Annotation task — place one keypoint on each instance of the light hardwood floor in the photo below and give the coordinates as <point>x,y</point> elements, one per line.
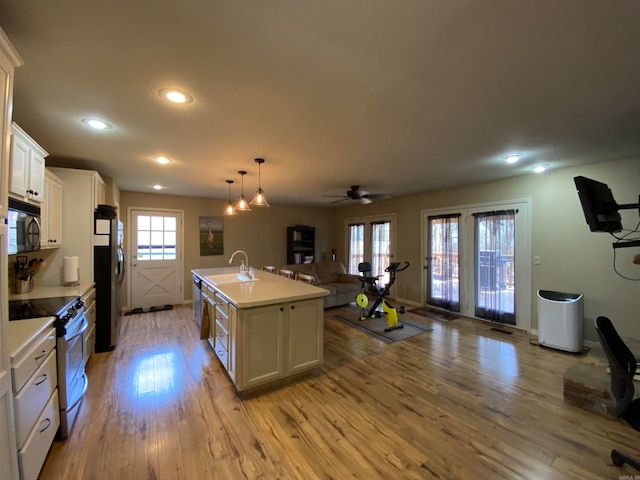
<point>460,402</point>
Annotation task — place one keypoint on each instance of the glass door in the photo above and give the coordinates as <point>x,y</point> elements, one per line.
<point>443,262</point>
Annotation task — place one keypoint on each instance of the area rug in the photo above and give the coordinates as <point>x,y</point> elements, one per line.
<point>150,309</point>
<point>435,314</point>
<point>375,327</point>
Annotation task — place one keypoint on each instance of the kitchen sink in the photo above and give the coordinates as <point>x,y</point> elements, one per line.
<point>226,278</point>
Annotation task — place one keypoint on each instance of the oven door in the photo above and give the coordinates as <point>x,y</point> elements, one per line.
<point>71,377</point>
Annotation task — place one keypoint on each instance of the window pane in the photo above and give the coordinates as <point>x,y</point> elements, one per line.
<point>157,223</point>
<point>144,222</point>
<point>169,224</point>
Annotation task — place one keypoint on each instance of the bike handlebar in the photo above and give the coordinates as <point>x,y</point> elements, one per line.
<point>393,267</point>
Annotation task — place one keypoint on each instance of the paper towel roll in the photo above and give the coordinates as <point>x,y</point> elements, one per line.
<point>71,269</point>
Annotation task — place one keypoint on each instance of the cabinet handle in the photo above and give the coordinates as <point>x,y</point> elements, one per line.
<point>44,352</point>
<point>282,309</point>
<point>48,422</point>
<point>292,307</point>
<point>44,379</point>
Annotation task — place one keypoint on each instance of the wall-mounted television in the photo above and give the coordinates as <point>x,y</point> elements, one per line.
<point>599,207</point>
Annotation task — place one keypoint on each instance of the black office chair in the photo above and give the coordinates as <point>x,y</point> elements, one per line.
<point>622,365</point>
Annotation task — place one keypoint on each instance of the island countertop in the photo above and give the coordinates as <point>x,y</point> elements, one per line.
<point>267,289</point>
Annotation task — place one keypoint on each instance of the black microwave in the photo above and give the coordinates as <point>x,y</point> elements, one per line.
<point>24,227</point>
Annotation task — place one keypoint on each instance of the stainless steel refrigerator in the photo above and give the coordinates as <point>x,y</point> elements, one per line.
<point>108,273</point>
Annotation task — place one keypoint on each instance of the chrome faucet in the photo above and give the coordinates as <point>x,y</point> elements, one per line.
<point>244,265</point>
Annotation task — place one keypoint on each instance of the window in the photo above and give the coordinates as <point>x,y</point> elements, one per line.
<point>370,239</point>
<point>156,237</point>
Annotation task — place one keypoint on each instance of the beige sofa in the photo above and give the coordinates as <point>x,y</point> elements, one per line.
<point>331,276</point>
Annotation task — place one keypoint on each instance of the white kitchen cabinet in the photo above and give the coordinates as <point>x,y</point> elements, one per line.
<point>8,447</point>
<point>81,189</point>
<point>222,333</point>
<point>99,191</point>
<point>9,61</point>
<point>89,299</point>
<point>26,177</point>
<point>35,398</point>
<point>262,345</point>
<point>51,215</point>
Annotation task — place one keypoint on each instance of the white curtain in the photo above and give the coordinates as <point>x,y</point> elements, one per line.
<point>380,255</point>
<point>356,247</point>
<point>443,287</point>
<point>494,266</point>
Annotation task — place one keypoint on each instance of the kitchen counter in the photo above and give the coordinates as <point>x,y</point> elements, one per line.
<point>266,290</point>
<point>51,291</point>
<point>22,332</point>
<point>264,331</point>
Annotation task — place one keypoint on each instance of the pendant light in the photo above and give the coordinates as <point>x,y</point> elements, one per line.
<point>230,210</point>
<point>259,200</point>
<point>242,205</point>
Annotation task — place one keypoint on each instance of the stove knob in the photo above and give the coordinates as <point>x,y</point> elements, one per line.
<point>66,317</point>
<point>79,304</point>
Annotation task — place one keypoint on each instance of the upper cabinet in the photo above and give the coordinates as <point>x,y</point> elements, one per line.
<point>51,228</point>
<point>9,60</point>
<point>26,177</point>
<point>99,191</point>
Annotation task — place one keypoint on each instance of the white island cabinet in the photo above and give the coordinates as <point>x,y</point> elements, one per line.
<point>265,331</point>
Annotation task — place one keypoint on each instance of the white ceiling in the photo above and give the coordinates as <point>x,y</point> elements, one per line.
<point>398,96</point>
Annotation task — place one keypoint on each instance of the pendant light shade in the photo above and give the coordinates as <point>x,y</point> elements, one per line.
<point>259,200</point>
<point>230,210</point>
<point>242,205</point>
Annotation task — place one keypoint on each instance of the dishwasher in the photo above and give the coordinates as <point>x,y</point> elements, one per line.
<point>197,299</point>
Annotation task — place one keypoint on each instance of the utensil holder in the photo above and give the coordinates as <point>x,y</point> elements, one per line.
<point>23,286</point>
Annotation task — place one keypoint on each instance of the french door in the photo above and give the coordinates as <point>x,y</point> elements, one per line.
<point>477,261</point>
<point>370,239</point>
<point>156,258</point>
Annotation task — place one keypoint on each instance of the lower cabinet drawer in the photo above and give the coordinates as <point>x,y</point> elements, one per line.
<point>33,397</point>
<point>222,335</point>
<point>32,360</point>
<point>32,455</point>
<point>89,343</point>
<point>221,353</point>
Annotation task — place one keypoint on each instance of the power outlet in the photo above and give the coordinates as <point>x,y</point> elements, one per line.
<point>536,260</point>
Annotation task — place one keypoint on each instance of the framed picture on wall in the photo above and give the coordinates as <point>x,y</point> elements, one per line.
<point>211,236</point>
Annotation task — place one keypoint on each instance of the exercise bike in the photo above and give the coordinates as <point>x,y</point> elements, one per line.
<point>362,300</point>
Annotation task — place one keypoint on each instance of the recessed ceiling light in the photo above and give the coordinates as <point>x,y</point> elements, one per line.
<point>97,124</point>
<point>540,168</point>
<point>157,187</point>
<point>176,96</point>
<point>512,158</point>
<point>163,160</point>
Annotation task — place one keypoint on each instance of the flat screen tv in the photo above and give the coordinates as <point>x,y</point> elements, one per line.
<point>599,207</point>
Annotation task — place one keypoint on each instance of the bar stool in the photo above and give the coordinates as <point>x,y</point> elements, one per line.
<point>303,277</point>
<point>269,268</point>
<point>283,272</point>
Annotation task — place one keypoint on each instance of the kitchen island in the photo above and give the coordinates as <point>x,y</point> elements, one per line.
<point>263,331</point>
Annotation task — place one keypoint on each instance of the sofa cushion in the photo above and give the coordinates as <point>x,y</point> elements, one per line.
<point>340,288</point>
<point>329,272</point>
<point>331,287</point>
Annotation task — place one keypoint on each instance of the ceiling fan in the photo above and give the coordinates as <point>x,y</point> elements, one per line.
<point>360,196</point>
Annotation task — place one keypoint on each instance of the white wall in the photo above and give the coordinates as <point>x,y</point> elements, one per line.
<point>572,258</point>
